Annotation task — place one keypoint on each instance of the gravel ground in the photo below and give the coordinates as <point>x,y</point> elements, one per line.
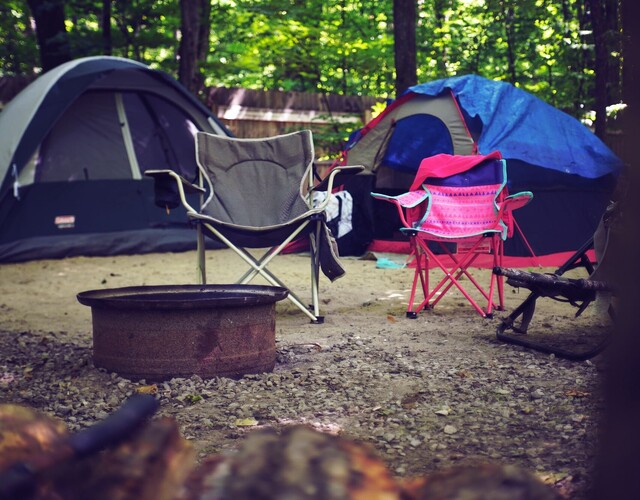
<point>426,393</point>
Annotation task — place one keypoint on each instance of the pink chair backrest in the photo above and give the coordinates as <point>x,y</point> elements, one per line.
<point>462,211</point>
<point>463,204</point>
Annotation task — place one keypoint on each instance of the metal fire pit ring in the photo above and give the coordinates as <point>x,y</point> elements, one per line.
<point>161,332</point>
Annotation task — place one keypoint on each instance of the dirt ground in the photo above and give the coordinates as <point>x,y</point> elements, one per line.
<point>425,393</point>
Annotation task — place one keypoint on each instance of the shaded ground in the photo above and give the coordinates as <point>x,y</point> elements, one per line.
<point>425,393</point>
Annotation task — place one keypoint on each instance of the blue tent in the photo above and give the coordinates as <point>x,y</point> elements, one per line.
<point>570,171</point>
<point>526,128</point>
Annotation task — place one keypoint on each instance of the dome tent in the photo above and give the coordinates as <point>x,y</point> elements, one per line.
<point>74,146</point>
<point>570,171</point>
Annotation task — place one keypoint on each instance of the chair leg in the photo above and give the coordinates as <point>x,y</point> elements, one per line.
<point>451,279</point>
<point>453,275</point>
<point>258,266</point>
<point>495,282</point>
<point>314,239</point>
<point>421,275</point>
<point>497,261</point>
<point>200,256</point>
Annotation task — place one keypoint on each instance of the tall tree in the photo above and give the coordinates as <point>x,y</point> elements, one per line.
<point>509,17</point>
<point>404,47</point>
<point>440,20</point>
<point>194,42</point>
<point>599,25</point>
<point>106,27</point>
<point>619,460</point>
<point>51,32</point>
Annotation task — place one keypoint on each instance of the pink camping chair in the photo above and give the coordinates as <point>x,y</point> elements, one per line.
<point>458,205</point>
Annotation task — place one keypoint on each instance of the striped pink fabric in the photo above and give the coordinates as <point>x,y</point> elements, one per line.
<point>457,212</point>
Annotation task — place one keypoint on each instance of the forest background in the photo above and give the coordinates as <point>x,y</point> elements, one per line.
<point>567,52</point>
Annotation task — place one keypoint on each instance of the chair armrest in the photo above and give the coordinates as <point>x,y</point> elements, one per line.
<point>403,201</point>
<point>188,186</point>
<point>410,199</point>
<point>337,176</point>
<point>183,185</point>
<point>515,201</point>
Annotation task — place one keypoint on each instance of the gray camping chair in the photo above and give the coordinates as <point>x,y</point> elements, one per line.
<point>259,195</point>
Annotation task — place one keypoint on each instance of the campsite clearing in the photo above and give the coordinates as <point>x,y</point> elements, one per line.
<point>426,393</point>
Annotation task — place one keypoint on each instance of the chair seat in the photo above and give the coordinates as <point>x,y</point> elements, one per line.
<point>257,237</point>
<point>450,236</point>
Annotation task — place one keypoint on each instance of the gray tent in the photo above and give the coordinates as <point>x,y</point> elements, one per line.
<point>74,146</point>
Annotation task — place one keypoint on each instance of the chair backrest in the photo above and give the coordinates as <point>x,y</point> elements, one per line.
<point>465,204</point>
<point>256,182</point>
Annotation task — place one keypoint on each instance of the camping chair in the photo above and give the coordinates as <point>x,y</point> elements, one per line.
<point>577,292</point>
<point>260,196</point>
<point>464,215</point>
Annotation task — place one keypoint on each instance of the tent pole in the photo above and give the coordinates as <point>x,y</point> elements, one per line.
<point>126,136</point>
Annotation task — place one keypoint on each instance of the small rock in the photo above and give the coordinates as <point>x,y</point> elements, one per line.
<point>537,394</point>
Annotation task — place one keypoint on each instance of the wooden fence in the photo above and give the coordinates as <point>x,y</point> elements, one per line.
<point>258,113</point>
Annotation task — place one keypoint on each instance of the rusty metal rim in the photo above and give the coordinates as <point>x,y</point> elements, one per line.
<point>182,296</point>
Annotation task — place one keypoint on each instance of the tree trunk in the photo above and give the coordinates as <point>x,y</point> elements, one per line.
<point>614,45</point>
<point>205,30</point>
<point>194,43</point>
<point>438,11</point>
<point>106,27</point>
<point>345,61</point>
<point>508,26</point>
<point>619,460</point>
<point>583,26</point>
<point>598,23</point>
<point>51,32</point>
<point>404,32</point>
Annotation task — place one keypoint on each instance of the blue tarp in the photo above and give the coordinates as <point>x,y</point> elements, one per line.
<point>523,127</point>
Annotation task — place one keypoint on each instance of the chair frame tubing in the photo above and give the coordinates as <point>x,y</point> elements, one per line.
<point>423,255</point>
<point>258,266</point>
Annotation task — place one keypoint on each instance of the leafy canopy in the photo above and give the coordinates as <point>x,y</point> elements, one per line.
<point>338,46</point>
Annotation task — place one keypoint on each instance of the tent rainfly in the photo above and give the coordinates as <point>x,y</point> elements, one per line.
<point>75,144</point>
<point>570,171</point>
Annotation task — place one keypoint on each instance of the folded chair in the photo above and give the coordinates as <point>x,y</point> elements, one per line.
<point>257,193</point>
<point>577,292</point>
<point>460,205</point>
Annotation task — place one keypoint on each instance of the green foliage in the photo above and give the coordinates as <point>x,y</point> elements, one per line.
<point>346,46</point>
<point>340,46</point>
<point>547,41</point>
<point>18,48</point>
<point>144,30</point>
<point>313,46</point>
